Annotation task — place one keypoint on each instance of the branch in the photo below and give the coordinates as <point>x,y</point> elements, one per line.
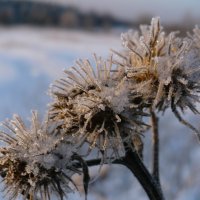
<point>155,142</point>
<point>136,166</point>
<point>95,162</point>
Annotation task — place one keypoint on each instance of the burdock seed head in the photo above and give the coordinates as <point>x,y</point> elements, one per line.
<point>139,59</point>
<point>92,104</point>
<point>162,70</point>
<point>34,162</point>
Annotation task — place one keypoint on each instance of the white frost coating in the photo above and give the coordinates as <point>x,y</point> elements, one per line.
<point>118,98</point>
<point>172,144</point>
<point>37,145</point>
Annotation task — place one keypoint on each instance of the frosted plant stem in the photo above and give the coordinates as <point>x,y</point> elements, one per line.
<point>147,181</point>
<point>155,143</point>
<point>136,166</point>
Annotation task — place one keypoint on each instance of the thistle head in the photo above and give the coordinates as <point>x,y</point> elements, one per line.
<point>142,51</point>
<point>158,66</point>
<point>34,162</point>
<point>96,104</point>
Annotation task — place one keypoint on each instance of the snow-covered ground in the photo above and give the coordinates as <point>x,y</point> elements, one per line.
<point>31,58</point>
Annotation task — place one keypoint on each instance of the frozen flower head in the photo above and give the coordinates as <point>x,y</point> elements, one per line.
<point>153,60</point>
<point>177,84</point>
<point>178,78</point>
<point>140,59</point>
<point>161,69</point>
<point>94,105</point>
<point>142,51</point>
<point>34,162</point>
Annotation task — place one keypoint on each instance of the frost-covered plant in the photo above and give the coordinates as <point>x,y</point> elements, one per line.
<point>161,69</point>
<point>139,60</point>
<point>35,161</point>
<point>92,105</point>
<point>102,106</point>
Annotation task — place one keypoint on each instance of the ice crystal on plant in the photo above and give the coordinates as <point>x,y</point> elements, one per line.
<point>92,103</point>
<point>33,161</point>
<point>143,50</point>
<point>140,57</point>
<point>162,70</point>
<point>102,107</point>
<point>177,86</point>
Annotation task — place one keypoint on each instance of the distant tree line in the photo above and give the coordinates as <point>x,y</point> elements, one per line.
<point>38,13</point>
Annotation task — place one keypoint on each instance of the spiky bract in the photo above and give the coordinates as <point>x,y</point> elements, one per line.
<point>162,70</point>
<point>93,105</point>
<point>34,162</point>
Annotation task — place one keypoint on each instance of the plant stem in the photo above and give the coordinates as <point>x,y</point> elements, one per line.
<point>95,162</point>
<point>155,143</point>
<point>133,162</point>
<point>136,166</point>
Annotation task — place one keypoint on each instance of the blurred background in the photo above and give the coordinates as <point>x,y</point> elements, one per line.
<point>39,38</point>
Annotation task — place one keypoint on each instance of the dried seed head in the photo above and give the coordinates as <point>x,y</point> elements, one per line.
<point>161,67</point>
<point>177,84</point>
<point>34,162</point>
<point>162,71</point>
<point>140,60</point>
<point>143,50</point>
<point>91,104</point>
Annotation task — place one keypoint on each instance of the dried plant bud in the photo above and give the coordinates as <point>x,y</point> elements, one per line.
<point>96,104</point>
<point>34,162</point>
<point>162,71</point>
<point>142,51</point>
<point>177,84</point>
<point>140,60</point>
